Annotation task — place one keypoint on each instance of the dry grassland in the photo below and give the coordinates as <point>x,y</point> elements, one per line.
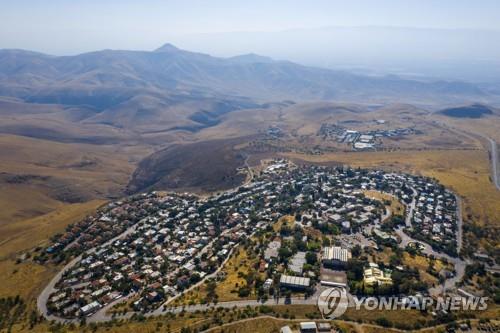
<point>396,207</point>
<point>234,270</point>
<point>156,325</point>
<point>236,267</point>
<point>287,220</point>
<point>422,264</point>
<point>26,278</point>
<point>418,261</point>
<point>272,325</point>
<point>38,177</point>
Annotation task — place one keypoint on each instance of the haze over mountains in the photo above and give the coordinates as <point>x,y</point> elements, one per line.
<point>104,79</point>
<point>463,54</point>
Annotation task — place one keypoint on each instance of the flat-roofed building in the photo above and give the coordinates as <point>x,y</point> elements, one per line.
<point>333,278</point>
<point>324,327</point>
<point>374,275</point>
<point>297,262</point>
<point>90,308</point>
<point>335,256</point>
<point>294,282</point>
<point>308,327</point>
<point>366,138</point>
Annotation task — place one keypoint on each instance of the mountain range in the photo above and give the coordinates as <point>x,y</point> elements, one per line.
<point>108,79</point>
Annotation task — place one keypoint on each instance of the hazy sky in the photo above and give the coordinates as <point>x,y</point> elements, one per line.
<point>74,26</point>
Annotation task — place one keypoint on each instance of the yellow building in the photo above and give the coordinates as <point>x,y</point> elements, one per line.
<point>374,275</point>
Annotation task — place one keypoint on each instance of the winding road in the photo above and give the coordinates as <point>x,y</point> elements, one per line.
<point>458,263</point>
<point>42,299</point>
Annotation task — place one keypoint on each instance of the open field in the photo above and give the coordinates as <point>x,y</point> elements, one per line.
<point>161,324</point>
<point>234,271</point>
<point>396,207</point>
<point>267,324</point>
<point>285,220</point>
<point>23,277</point>
<point>27,278</point>
<point>27,234</point>
<point>205,166</point>
<point>422,264</point>
<point>38,176</point>
<point>20,275</point>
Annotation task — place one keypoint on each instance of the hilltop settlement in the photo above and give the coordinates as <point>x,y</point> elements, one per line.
<point>152,247</point>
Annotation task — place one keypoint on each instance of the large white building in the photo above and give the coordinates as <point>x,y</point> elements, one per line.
<point>335,256</point>
<point>294,282</point>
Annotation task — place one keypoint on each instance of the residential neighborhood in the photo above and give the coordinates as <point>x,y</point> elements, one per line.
<point>148,249</point>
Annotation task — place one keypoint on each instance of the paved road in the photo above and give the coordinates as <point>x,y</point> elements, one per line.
<point>203,307</point>
<point>494,163</point>
<point>42,299</point>
<point>495,177</point>
<point>387,211</point>
<point>459,234</point>
<point>103,316</point>
<point>428,250</point>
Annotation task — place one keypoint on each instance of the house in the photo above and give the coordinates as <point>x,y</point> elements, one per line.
<point>153,296</point>
<point>90,308</point>
<point>335,218</point>
<point>297,262</point>
<point>346,226</point>
<point>286,329</point>
<point>272,250</point>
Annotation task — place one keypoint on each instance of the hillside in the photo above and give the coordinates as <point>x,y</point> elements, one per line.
<point>185,167</point>
<point>469,111</point>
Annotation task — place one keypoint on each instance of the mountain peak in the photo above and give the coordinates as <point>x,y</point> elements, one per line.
<point>251,58</point>
<point>167,48</point>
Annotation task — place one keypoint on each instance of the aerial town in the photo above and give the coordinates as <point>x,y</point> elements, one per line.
<point>362,140</point>
<point>155,246</point>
